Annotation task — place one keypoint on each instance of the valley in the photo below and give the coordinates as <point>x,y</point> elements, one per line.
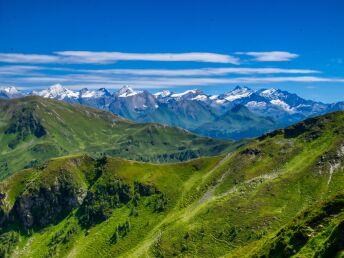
<point>36,129</point>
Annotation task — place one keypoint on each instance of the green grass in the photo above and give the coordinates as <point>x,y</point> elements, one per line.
<point>256,201</point>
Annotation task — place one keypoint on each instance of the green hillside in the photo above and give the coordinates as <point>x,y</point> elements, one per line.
<point>34,129</point>
<point>316,232</point>
<point>279,195</point>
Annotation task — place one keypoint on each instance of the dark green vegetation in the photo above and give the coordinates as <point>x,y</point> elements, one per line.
<point>34,129</point>
<point>277,196</point>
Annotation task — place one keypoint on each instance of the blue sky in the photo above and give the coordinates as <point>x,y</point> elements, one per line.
<point>212,45</point>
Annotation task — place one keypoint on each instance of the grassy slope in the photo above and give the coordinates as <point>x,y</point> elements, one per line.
<point>316,232</point>
<point>77,129</point>
<point>231,205</point>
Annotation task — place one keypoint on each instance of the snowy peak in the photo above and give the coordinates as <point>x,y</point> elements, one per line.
<point>163,94</point>
<point>126,91</point>
<point>272,93</point>
<point>9,90</point>
<point>238,93</point>
<point>57,92</point>
<point>102,92</point>
<point>190,95</point>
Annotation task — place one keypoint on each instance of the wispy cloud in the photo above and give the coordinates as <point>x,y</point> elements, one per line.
<point>23,70</point>
<point>272,56</point>
<point>28,58</point>
<point>200,72</point>
<point>18,69</point>
<point>81,80</point>
<point>110,57</point>
<point>88,57</point>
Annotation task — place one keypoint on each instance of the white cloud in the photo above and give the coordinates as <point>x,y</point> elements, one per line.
<point>82,80</point>
<point>28,58</point>
<point>88,57</point>
<point>110,57</point>
<point>272,56</point>
<point>200,72</point>
<point>18,69</point>
<point>25,69</point>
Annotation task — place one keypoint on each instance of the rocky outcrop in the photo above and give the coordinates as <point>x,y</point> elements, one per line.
<point>47,204</point>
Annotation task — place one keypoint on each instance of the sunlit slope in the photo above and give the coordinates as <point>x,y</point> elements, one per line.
<point>33,129</point>
<point>316,232</point>
<point>243,204</point>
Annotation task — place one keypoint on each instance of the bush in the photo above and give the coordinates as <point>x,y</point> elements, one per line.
<point>99,204</point>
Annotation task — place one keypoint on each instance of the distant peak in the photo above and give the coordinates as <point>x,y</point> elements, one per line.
<point>124,89</point>
<point>57,91</point>
<point>241,88</point>
<point>237,87</point>
<point>238,93</point>
<point>270,93</point>
<point>84,90</point>
<point>104,91</point>
<point>163,94</point>
<point>187,93</point>
<point>9,89</point>
<point>57,86</point>
<point>127,91</point>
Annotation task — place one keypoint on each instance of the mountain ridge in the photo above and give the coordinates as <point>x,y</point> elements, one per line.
<point>194,109</point>
<point>37,129</point>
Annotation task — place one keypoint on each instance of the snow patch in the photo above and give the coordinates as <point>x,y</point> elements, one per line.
<point>282,104</point>
<point>200,98</point>
<point>269,93</point>
<point>162,94</point>
<point>256,104</point>
<point>220,101</point>
<point>179,95</point>
<point>213,97</point>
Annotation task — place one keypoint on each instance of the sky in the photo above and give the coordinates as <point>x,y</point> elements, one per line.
<point>212,45</point>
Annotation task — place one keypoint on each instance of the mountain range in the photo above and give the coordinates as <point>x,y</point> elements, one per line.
<point>36,129</point>
<point>280,195</point>
<point>211,115</point>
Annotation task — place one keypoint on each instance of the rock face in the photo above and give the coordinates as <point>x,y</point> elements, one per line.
<point>46,205</point>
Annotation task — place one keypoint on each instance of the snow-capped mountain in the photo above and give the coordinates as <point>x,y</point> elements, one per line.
<point>192,109</point>
<point>126,91</point>
<point>162,94</point>
<point>57,92</point>
<point>237,93</point>
<point>88,94</point>
<point>9,92</point>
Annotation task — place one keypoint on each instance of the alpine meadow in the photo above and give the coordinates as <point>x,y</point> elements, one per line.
<point>171,129</point>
